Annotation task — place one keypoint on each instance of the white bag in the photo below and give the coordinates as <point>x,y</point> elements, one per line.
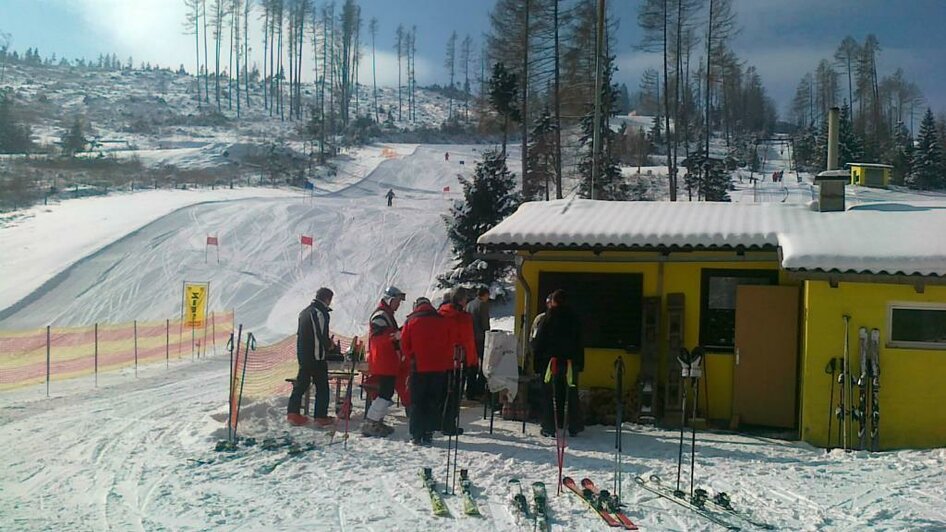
<point>501,363</point>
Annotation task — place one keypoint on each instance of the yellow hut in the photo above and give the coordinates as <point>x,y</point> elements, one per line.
<point>870,174</point>
<point>764,289</point>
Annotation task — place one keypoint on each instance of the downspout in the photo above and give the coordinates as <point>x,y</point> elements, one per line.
<point>525,324</point>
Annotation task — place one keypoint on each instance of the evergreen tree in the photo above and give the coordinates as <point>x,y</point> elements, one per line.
<point>928,160</point>
<point>717,182</point>
<point>504,97</point>
<point>74,141</point>
<point>806,150</point>
<point>487,199</point>
<point>900,154</point>
<point>540,165</point>
<point>14,137</point>
<point>850,145</point>
<point>609,185</point>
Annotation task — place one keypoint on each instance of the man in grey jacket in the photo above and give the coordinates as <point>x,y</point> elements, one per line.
<point>479,308</point>
<point>313,343</point>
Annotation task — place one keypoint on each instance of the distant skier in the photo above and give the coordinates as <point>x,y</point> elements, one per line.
<point>390,196</point>
<point>384,362</point>
<point>313,344</point>
<point>446,156</point>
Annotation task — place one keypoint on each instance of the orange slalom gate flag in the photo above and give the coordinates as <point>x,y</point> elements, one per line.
<point>212,241</point>
<point>306,240</point>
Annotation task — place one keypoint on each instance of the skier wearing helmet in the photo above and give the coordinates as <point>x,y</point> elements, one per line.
<point>384,361</point>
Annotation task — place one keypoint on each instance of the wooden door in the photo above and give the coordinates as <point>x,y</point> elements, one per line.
<point>766,365</point>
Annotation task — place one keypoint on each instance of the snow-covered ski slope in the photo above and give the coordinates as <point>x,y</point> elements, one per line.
<point>138,454</point>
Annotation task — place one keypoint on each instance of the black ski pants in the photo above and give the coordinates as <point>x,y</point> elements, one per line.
<point>450,399</point>
<point>386,386</point>
<point>557,388</point>
<point>311,372</point>
<point>426,402</point>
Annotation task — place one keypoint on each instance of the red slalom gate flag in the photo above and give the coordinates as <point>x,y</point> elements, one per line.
<point>306,240</point>
<point>212,241</point>
<point>446,189</point>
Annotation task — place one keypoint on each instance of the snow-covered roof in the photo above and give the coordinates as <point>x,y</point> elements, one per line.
<point>877,238</point>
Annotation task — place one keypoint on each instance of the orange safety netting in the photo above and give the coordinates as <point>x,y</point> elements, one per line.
<point>57,353</point>
<point>260,372</point>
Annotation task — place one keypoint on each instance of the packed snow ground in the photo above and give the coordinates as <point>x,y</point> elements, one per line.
<point>139,453</point>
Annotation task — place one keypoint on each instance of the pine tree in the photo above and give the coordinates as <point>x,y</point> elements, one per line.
<point>609,186</point>
<point>487,199</point>
<point>928,160</point>
<point>504,97</point>
<point>14,137</point>
<point>850,145</point>
<point>900,153</point>
<point>74,141</point>
<point>540,165</point>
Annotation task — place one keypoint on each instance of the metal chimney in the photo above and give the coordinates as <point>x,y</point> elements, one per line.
<point>833,115</point>
<point>831,182</point>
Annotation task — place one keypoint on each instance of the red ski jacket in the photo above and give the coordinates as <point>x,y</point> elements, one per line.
<point>427,340</point>
<point>462,330</point>
<point>383,356</point>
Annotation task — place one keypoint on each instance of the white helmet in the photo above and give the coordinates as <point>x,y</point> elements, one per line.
<point>393,293</point>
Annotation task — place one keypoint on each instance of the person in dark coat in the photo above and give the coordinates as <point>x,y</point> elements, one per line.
<point>479,309</point>
<point>390,196</point>
<point>313,343</point>
<point>559,336</point>
<point>427,342</point>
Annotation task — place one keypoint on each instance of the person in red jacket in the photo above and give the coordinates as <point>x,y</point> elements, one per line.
<point>464,348</point>
<point>427,342</point>
<point>384,360</point>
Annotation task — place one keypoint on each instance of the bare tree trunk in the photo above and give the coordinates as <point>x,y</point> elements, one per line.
<point>265,77</point>
<point>373,29</point>
<point>670,162</point>
<point>709,76</point>
<point>558,109</point>
<point>525,88</point>
<point>247,6</point>
<point>203,4</point>
<point>233,17</point>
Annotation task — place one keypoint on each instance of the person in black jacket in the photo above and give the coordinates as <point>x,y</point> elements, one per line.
<point>313,343</point>
<point>559,336</point>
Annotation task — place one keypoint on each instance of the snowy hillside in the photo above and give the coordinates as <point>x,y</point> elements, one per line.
<point>153,114</point>
<point>138,453</point>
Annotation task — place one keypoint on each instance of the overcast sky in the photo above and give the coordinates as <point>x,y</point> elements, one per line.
<point>784,39</point>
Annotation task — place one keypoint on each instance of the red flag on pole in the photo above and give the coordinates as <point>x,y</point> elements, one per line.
<point>306,240</point>
<point>446,189</point>
<point>212,241</point>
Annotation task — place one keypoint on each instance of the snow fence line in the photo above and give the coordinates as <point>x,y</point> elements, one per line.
<point>259,373</point>
<point>58,353</point>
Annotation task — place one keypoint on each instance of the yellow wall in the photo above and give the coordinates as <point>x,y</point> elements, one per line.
<point>912,390</point>
<point>682,277</point>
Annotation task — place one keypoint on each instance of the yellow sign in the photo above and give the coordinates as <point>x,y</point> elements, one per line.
<point>195,304</point>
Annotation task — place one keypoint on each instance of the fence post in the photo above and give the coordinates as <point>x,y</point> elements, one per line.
<point>204,339</point>
<point>167,344</point>
<point>136,349</point>
<point>192,343</point>
<point>213,331</point>
<point>47,361</point>
<point>96,355</point>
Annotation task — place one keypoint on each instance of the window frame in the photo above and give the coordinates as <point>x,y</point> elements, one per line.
<point>908,344</point>
<point>589,341</point>
<point>708,273</point>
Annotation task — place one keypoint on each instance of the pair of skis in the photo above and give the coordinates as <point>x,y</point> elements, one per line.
<point>867,412</point>
<point>655,486</point>
<point>438,505</point>
<point>601,502</point>
<point>540,511</point>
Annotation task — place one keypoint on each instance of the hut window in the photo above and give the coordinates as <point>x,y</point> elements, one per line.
<point>718,304</point>
<point>608,305</point>
<point>917,326</point>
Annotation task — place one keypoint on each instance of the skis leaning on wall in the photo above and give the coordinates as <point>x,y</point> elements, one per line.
<point>647,381</point>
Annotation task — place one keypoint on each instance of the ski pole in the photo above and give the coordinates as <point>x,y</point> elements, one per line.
<point>456,436</point>
<point>619,429</point>
<point>443,422</point>
<point>682,358</point>
<point>830,368</point>
<point>695,382</point>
